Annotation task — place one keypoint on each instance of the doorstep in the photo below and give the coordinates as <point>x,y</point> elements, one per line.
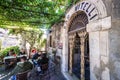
<point>70,77</point>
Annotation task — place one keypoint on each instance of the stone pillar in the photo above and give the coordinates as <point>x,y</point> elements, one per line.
<point>71,59</point>
<point>64,57</point>
<point>82,48</point>
<point>99,48</point>
<point>71,43</point>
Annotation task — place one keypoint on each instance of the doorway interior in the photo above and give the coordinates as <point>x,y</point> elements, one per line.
<point>78,25</point>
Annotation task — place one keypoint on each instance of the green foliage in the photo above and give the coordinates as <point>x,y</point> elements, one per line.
<point>31,12</point>
<point>32,36</point>
<point>5,51</point>
<point>54,51</point>
<point>41,43</point>
<point>40,13</point>
<point>0,44</point>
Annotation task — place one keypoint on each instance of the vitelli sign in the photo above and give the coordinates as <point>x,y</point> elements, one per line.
<point>88,8</point>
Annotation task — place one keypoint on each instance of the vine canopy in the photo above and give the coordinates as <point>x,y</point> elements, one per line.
<point>37,13</point>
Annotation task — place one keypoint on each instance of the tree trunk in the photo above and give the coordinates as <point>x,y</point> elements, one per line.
<point>31,46</point>
<point>23,43</point>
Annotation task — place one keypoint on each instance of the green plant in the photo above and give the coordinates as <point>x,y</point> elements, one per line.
<point>0,44</point>
<point>4,52</point>
<point>38,13</point>
<point>54,51</point>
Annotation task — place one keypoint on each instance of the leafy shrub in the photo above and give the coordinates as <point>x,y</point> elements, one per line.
<point>4,52</point>
<point>54,51</point>
<point>0,44</point>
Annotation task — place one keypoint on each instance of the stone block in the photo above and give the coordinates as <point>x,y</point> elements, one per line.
<point>104,61</point>
<point>108,6</point>
<point>105,74</point>
<point>116,9</point>
<point>99,25</point>
<point>117,68</point>
<point>95,68</point>
<point>94,44</point>
<point>104,43</point>
<point>94,55</point>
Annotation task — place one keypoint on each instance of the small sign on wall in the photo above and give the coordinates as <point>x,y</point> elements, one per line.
<point>60,45</point>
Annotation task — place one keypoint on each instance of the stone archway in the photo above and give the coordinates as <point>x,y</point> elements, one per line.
<point>77,38</point>
<point>97,28</point>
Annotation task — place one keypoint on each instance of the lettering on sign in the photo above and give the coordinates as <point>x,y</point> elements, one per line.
<point>89,8</point>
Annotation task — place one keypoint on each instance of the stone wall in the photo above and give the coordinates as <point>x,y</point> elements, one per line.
<point>98,34</point>
<point>116,9</point>
<point>105,64</point>
<point>56,39</point>
<point>56,34</point>
<point>114,41</point>
<point>108,6</point>
<point>99,48</point>
<point>108,48</point>
<point>104,40</point>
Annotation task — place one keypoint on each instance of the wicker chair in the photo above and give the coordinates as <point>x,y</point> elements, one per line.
<point>22,76</point>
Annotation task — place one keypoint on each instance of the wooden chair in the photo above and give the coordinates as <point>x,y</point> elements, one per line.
<point>44,67</point>
<point>22,76</point>
<point>1,63</point>
<point>46,74</point>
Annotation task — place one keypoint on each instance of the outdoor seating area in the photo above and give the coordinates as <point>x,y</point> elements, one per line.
<point>13,60</point>
<point>48,68</point>
<point>49,72</point>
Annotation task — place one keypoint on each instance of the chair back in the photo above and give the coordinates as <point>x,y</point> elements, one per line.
<point>44,67</point>
<point>22,75</point>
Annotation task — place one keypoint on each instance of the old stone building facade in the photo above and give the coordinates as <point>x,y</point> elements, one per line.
<point>90,37</point>
<point>54,39</point>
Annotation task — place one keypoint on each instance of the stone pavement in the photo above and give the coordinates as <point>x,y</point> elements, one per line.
<point>58,77</point>
<point>53,73</point>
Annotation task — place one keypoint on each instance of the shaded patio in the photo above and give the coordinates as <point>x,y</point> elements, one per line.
<point>53,73</point>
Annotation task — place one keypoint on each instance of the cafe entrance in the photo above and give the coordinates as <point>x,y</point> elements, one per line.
<point>79,63</point>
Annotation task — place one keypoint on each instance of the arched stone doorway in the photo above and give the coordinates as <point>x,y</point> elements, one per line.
<point>99,23</point>
<point>78,47</point>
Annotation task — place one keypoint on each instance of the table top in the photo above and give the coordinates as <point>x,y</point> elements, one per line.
<point>22,55</point>
<point>11,57</point>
